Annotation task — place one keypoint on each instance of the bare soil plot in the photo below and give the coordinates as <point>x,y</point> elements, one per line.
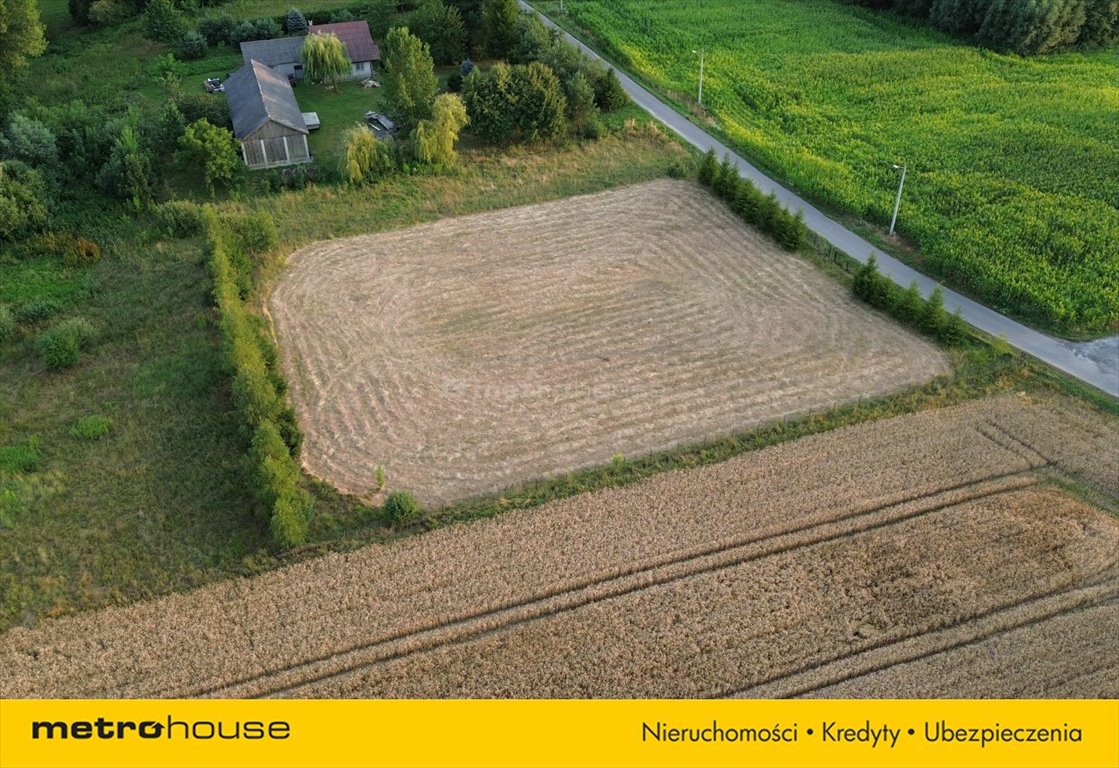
<point>865,556</point>
<point>473,353</point>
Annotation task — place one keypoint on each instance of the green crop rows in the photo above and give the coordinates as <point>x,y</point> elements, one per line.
<point>1013,183</point>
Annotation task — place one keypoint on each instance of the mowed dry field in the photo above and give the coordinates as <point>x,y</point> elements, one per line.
<point>475,353</point>
<point>935,554</point>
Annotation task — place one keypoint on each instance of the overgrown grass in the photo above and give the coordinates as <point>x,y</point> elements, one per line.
<point>1013,180</point>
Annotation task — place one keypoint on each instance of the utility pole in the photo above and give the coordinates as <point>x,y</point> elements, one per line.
<point>897,200</point>
<point>700,97</point>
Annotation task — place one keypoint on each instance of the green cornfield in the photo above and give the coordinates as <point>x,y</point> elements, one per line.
<point>1012,193</point>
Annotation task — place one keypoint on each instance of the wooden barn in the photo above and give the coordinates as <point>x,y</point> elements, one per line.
<point>266,117</point>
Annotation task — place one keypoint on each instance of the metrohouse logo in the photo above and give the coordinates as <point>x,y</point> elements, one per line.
<point>170,729</point>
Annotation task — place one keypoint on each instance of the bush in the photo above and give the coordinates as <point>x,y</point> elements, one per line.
<point>7,323</point>
<point>191,46</point>
<point>91,427</point>
<point>72,250</point>
<point>872,286</point>
<point>933,317</point>
<point>180,218</point>
<point>163,22</point>
<point>36,311</point>
<point>59,348</point>
<point>608,92</point>
<point>401,506</point>
<point>23,200</point>
<point>454,83</point>
<point>204,106</point>
<point>29,141</point>
<point>218,30</point>
<point>709,168</point>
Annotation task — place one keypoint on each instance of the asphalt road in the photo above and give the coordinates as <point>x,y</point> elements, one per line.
<point>1094,362</point>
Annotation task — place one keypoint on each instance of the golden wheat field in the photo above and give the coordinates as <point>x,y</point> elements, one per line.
<point>474,353</point>
<point>939,554</point>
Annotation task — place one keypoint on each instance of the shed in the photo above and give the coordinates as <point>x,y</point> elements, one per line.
<point>266,117</point>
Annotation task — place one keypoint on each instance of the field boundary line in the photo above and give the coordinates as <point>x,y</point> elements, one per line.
<point>1101,589</point>
<point>621,582</point>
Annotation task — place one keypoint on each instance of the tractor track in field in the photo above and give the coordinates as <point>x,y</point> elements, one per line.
<point>1101,589</point>
<point>622,582</point>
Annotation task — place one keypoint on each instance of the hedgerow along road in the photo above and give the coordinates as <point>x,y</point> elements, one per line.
<point>1093,362</point>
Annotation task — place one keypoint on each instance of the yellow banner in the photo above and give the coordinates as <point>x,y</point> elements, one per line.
<point>603,734</point>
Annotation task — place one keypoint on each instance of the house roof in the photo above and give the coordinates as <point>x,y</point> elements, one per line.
<point>355,36</point>
<point>258,94</point>
<point>282,50</point>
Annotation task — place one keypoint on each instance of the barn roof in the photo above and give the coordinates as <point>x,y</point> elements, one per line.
<point>258,94</point>
<point>282,50</point>
<point>355,36</point>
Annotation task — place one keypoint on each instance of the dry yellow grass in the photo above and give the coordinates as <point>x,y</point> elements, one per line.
<point>477,352</point>
<point>872,553</point>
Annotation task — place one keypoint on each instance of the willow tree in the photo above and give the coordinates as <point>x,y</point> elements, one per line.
<point>366,159</point>
<point>435,138</point>
<point>324,58</point>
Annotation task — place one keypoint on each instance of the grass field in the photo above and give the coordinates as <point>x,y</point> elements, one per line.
<point>841,557</point>
<point>475,353</point>
<point>1013,184</point>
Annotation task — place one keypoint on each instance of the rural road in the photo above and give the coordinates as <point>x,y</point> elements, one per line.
<point>1094,362</point>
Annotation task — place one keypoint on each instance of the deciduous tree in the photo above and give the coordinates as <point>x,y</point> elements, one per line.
<point>409,77</point>
<point>212,148</point>
<point>324,58</point>
<point>435,138</point>
<point>366,159</point>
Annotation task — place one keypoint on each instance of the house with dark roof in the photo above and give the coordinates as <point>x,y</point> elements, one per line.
<point>282,54</point>
<point>266,117</point>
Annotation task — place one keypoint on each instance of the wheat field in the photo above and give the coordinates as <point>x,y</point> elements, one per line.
<point>936,553</point>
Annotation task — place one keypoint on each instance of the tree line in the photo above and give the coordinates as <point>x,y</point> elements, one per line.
<point>1026,27</point>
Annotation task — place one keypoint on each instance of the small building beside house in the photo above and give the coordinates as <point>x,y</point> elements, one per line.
<point>282,54</point>
<point>266,117</point>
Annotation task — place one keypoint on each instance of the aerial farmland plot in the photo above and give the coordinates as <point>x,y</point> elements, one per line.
<point>475,353</point>
<point>934,554</point>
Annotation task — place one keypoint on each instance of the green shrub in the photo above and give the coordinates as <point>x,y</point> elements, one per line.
<point>180,218</point>
<point>909,304</point>
<point>401,506</point>
<point>91,427</point>
<point>36,311</point>
<point>218,30</point>
<point>933,316</point>
<point>290,519</point>
<point>7,323</point>
<point>20,458</point>
<point>58,350</point>
<point>191,46</point>
<point>60,346</point>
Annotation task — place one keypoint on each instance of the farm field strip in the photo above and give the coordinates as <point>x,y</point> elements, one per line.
<point>630,580</point>
<point>238,631</point>
<point>470,354</point>
<point>744,624</point>
<point>1012,620</point>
